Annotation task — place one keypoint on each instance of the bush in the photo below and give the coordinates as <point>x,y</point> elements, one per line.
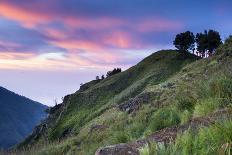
<point>185,102</point>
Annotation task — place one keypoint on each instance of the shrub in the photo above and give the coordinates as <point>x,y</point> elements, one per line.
<point>185,102</point>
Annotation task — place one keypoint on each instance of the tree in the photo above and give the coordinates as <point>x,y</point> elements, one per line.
<point>114,71</point>
<point>214,41</point>
<point>184,41</point>
<point>97,78</point>
<point>102,77</point>
<point>226,48</point>
<point>202,43</point>
<point>207,42</point>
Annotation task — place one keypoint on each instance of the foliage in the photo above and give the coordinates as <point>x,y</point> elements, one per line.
<point>202,43</point>
<point>225,48</point>
<point>208,42</point>
<point>184,41</point>
<point>114,71</point>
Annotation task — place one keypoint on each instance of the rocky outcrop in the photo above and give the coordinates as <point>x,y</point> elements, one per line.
<point>98,127</point>
<point>119,149</point>
<point>133,104</point>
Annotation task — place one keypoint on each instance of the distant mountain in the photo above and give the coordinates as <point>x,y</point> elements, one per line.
<point>18,117</point>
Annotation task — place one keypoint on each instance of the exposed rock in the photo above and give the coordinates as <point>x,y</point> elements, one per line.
<point>119,149</point>
<point>134,103</point>
<point>66,133</point>
<point>98,127</point>
<point>168,85</point>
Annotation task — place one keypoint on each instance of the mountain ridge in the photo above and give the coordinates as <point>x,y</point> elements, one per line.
<point>19,115</point>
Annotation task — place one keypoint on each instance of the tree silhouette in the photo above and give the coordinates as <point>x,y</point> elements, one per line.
<point>114,71</point>
<point>184,41</point>
<point>202,43</point>
<point>207,42</point>
<point>214,40</point>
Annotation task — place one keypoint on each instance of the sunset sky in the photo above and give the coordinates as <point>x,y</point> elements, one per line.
<point>49,47</point>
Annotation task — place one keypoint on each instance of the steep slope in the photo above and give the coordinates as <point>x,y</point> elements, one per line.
<point>89,107</point>
<point>18,116</point>
<point>165,92</point>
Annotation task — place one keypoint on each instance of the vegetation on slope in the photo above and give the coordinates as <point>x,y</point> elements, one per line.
<point>98,104</point>
<point>164,90</point>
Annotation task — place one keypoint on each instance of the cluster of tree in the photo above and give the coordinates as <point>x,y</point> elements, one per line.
<point>204,43</point>
<point>114,71</point>
<point>109,73</point>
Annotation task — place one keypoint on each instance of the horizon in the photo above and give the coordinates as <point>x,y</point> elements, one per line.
<point>47,49</point>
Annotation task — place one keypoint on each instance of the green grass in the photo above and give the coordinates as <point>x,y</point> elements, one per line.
<point>181,88</point>
<point>215,139</point>
<point>162,118</point>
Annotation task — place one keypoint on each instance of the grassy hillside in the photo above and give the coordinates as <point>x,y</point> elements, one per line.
<point>18,116</point>
<point>164,90</point>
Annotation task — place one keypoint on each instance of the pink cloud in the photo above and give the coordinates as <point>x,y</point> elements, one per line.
<point>32,17</point>
<point>120,39</point>
<point>26,17</point>
<point>101,37</point>
<point>157,25</point>
<point>76,44</point>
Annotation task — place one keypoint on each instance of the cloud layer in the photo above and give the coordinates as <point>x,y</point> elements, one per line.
<point>76,34</point>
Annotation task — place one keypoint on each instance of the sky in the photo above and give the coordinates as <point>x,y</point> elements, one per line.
<point>49,47</point>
